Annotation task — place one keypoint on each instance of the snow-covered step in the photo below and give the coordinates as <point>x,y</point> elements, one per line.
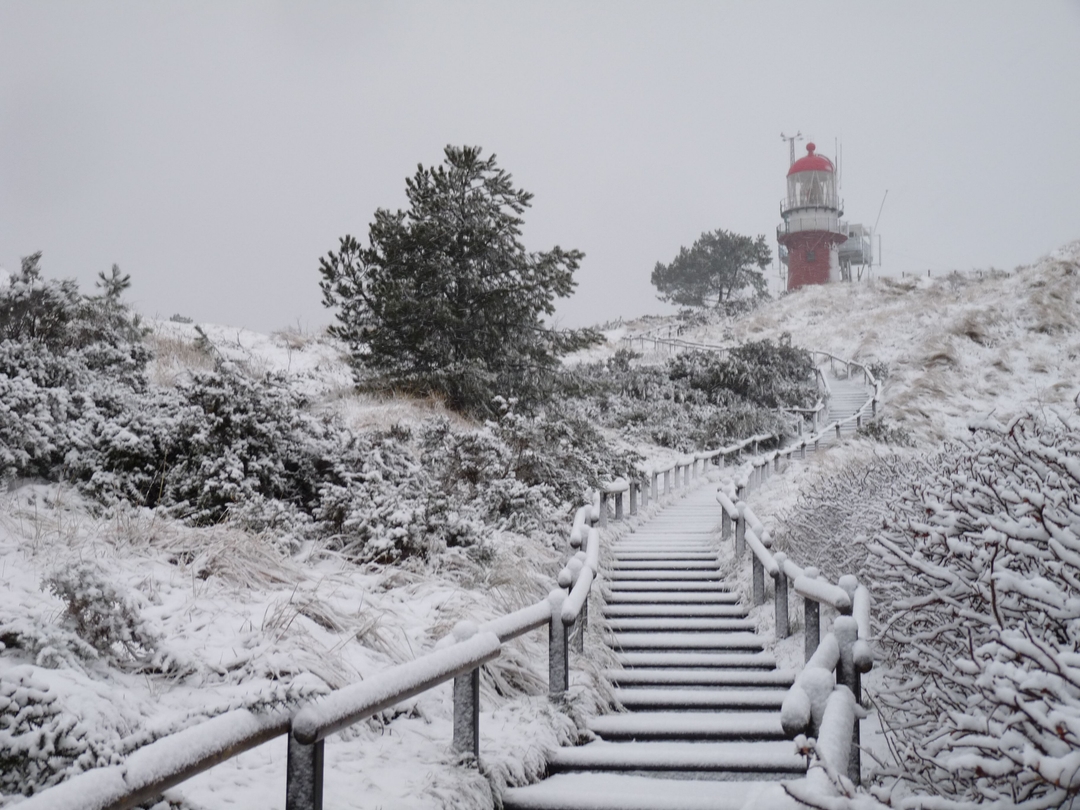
<point>612,791</point>
<point>738,757</point>
<point>676,564</point>
<point>700,585</point>
<point>717,596</point>
<point>674,548</point>
<point>690,610</point>
<point>702,676</point>
<point>670,624</point>
<point>679,660</point>
<point>688,725</point>
<point>700,699</point>
<point>689,641</point>
<point>663,556</point>
<point>620,575</point>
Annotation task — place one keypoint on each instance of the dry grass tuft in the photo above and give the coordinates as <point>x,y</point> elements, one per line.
<point>175,358</point>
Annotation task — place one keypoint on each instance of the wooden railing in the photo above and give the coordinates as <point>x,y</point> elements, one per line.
<point>171,760</point>
<point>825,701</point>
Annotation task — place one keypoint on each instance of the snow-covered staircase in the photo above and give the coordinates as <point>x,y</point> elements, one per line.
<point>702,722</point>
<point>847,396</point>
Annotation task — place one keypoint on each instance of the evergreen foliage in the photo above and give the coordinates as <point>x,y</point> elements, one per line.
<point>695,399</point>
<point>445,300</point>
<point>717,267</point>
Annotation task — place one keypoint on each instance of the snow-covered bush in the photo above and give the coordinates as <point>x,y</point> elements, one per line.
<point>841,506</point>
<point>40,743</point>
<point>977,580</point>
<point>879,430</point>
<point>695,399</point>
<point>101,614</point>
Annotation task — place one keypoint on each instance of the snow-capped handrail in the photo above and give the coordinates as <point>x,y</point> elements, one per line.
<point>351,704</point>
<point>162,764</point>
<point>835,663</point>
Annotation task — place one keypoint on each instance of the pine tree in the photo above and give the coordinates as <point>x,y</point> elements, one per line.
<point>446,300</point>
<point>719,264</point>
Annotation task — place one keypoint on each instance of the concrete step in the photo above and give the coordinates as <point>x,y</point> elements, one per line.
<point>662,556</point>
<point>671,699</point>
<point>700,758</point>
<point>647,726</point>
<point>676,641</point>
<point>669,624</point>
<point>678,564</point>
<point>652,574</point>
<point>615,791</point>
<point>701,585</point>
<point>641,596</point>
<point>645,610</point>
<point>700,676</point>
<point>683,660</point>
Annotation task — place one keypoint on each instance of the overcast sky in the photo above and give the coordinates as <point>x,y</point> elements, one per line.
<point>216,150</point>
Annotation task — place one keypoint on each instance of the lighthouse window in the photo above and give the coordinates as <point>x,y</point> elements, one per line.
<point>810,255</point>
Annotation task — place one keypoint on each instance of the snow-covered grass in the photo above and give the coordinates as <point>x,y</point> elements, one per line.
<point>236,619</point>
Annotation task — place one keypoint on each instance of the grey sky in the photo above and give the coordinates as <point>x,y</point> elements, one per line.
<point>215,150</point>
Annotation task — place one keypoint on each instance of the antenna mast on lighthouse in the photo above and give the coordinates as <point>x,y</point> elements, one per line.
<point>791,142</point>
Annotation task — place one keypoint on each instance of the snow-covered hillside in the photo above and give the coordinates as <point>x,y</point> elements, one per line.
<point>957,347</point>
<point>232,618</point>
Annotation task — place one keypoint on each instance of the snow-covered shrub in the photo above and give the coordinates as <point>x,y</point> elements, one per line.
<point>978,586</point>
<point>840,507</point>
<point>879,430</point>
<point>40,744</point>
<point>767,374</point>
<point>695,399</point>
<point>101,614</point>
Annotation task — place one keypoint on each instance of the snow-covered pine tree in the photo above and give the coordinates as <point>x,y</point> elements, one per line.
<point>446,300</point>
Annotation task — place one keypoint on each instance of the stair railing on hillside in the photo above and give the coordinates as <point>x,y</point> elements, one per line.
<point>171,760</point>
<point>826,698</point>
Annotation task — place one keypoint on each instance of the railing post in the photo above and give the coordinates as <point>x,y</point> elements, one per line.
<point>603,509</point>
<point>873,406</point>
<point>580,626</point>
<point>725,524</point>
<point>776,463</point>
<point>304,776</point>
<point>783,624</point>
<point>740,530</point>
<point>467,702</point>
<point>654,485</point>
<point>467,714</point>
<point>634,487</point>
<point>817,446</point>
<point>846,630</point>
<point>858,421</point>
<point>558,659</point>
<point>667,482</point>
<point>759,579</point>
<point>618,506</point>
<point>812,619</point>
<point>837,430</point>
<point>802,450</point>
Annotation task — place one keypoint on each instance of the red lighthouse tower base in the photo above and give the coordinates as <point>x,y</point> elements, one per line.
<point>808,256</point>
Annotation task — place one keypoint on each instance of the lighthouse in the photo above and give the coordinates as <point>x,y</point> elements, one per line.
<point>814,243</point>
<point>811,235</point>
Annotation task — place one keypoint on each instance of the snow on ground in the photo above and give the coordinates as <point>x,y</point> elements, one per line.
<point>238,619</point>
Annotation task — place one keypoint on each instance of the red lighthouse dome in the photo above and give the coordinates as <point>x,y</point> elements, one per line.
<point>811,162</point>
